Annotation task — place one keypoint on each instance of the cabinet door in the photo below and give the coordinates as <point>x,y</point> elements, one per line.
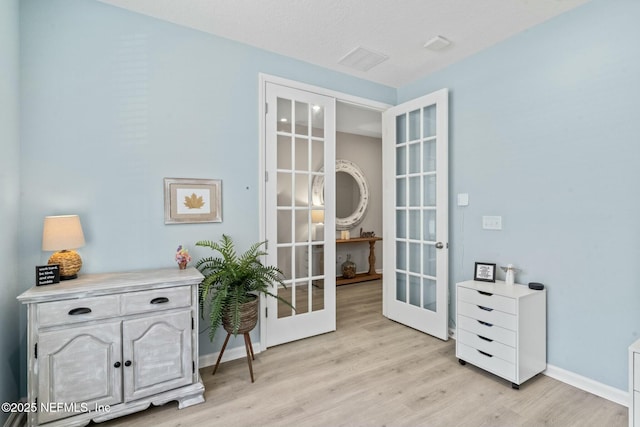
<point>77,370</point>
<point>159,349</point>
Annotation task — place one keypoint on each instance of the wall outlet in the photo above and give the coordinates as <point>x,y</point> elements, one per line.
<point>492,222</point>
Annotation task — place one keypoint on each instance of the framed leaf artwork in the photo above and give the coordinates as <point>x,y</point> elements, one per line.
<point>188,200</point>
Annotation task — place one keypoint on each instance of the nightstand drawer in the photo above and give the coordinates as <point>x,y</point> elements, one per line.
<point>78,310</point>
<point>155,300</point>
<point>486,299</point>
<point>486,361</point>
<point>488,315</point>
<point>487,345</point>
<point>505,336</point>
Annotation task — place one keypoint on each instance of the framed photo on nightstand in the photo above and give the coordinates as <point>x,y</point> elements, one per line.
<point>484,272</point>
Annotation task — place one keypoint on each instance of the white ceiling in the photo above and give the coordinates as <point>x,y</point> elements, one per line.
<point>321,32</point>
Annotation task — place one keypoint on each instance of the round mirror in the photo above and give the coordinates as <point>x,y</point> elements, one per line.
<point>352,194</point>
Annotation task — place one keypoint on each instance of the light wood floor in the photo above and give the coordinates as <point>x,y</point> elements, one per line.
<point>375,372</point>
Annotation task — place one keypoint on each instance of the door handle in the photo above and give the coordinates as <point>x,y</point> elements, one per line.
<point>439,245</point>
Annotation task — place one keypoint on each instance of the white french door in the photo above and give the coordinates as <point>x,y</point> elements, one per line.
<point>300,228</point>
<point>415,194</point>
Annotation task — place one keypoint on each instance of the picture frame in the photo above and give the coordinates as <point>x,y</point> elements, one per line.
<point>484,272</point>
<point>191,200</point>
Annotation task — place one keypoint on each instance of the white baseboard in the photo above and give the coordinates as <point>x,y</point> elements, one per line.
<point>229,354</point>
<point>613,394</point>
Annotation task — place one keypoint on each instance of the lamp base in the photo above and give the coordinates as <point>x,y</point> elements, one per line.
<point>69,262</point>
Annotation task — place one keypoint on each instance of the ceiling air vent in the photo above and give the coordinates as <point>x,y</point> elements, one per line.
<point>437,43</point>
<point>362,59</point>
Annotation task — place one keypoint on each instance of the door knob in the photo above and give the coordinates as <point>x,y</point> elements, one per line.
<point>439,245</point>
<point>116,365</point>
<point>127,363</point>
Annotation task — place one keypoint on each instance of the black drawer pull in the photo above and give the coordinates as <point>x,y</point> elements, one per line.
<point>127,363</point>
<point>481,307</point>
<point>159,300</point>
<point>79,310</point>
<point>485,354</point>
<point>485,338</point>
<point>117,365</point>
<point>485,293</point>
<point>485,323</point>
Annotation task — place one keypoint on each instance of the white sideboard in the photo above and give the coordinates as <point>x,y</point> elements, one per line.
<point>502,329</point>
<point>106,345</point>
<point>634,384</point>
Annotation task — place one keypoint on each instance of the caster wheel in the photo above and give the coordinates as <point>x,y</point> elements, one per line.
<point>515,386</point>
<point>462,362</point>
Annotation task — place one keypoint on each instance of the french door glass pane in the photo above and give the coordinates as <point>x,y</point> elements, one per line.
<point>414,191</point>
<point>284,261</point>
<point>401,287</point>
<point>284,189</point>
<point>302,154</point>
<point>302,118</point>
<point>429,156</point>
<point>317,121</point>
<point>401,129</point>
<point>414,224</point>
<point>414,158</point>
<point>401,160</point>
<point>401,192</point>
<point>429,294</point>
<point>284,148</point>
<point>430,190</point>
<point>414,125</point>
<point>284,227</point>
<point>401,224</point>
<point>414,290</point>
<point>284,115</point>
<point>429,121</point>
<point>429,225</point>
<point>429,260</point>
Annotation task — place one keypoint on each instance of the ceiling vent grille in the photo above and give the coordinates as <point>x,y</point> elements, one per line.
<point>437,43</point>
<point>362,59</point>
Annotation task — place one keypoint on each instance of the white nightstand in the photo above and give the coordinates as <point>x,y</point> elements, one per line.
<point>502,329</point>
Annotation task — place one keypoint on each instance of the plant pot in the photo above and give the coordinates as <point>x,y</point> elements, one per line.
<point>248,317</point>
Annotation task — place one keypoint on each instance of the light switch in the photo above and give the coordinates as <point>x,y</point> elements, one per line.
<point>492,222</point>
<point>463,199</point>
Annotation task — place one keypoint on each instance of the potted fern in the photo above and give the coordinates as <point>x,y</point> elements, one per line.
<point>232,284</point>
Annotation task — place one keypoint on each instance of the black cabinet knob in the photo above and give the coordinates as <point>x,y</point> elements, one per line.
<point>127,363</point>
<point>116,365</point>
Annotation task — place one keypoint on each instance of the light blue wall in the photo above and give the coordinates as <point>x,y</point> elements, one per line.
<point>9,202</point>
<point>113,102</point>
<point>545,132</point>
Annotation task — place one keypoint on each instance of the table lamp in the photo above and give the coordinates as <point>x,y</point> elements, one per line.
<point>63,234</point>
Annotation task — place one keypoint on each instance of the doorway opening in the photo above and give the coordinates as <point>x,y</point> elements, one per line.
<point>359,142</point>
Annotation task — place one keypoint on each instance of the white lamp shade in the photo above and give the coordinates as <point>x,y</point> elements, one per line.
<point>62,232</point>
<point>317,216</point>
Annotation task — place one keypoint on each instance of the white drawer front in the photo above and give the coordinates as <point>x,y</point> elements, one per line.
<point>497,302</point>
<point>494,365</point>
<point>493,317</point>
<point>636,371</point>
<point>157,299</point>
<point>487,345</point>
<point>487,330</point>
<point>78,310</point>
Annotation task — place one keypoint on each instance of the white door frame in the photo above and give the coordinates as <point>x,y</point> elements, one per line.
<point>263,79</point>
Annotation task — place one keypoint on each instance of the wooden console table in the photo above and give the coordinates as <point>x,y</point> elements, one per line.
<point>371,274</point>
